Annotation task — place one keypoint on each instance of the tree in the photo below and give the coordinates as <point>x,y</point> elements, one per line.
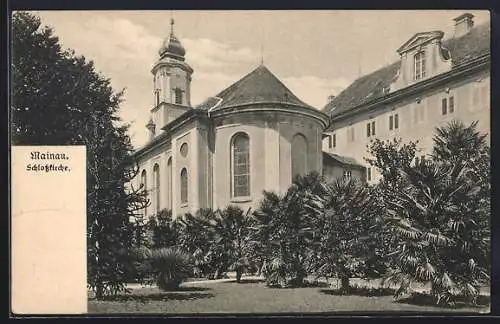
<point>59,99</point>
<point>230,244</point>
<point>391,156</point>
<point>283,227</point>
<point>440,220</point>
<point>165,231</point>
<point>195,237</point>
<point>344,216</point>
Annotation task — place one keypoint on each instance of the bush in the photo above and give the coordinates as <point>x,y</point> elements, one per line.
<point>170,266</point>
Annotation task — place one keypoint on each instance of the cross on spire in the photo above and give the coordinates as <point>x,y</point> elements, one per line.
<point>171,25</point>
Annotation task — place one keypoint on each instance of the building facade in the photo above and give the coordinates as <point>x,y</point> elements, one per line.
<point>253,136</point>
<point>435,81</point>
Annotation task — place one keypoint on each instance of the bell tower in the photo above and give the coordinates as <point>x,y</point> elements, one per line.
<point>171,82</point>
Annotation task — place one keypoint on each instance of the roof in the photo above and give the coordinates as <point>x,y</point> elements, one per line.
<point>342,159</point>
<point>464,49</point>
<point>258,86</point>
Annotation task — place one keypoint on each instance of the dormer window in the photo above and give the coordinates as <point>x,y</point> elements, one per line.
<point>419,66</point>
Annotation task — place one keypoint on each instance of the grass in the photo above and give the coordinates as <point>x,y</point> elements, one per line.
<point>252,296</point>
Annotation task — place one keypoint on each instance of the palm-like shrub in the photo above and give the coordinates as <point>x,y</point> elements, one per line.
<point>164,230</point>
<point>195,237</point>
<point>229,245</point>
<point>344,215</point>
<point>170,266</point>
<point>439,224</point>
<point>282,225</point>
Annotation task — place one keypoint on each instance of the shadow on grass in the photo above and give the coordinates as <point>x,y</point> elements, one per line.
<point>422,299</point>
<point>246,281</point>
<point>306,284</point>
<point>360,291</point>
<point>153,294</point>
<point>162,296</point>
<point>192,288</point>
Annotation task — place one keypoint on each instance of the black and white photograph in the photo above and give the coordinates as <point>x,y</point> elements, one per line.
<point>251,161</point>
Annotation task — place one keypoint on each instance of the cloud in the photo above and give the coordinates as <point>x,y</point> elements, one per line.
<point>314,90</point>
<point>125,52</point>
<point>208,54</point>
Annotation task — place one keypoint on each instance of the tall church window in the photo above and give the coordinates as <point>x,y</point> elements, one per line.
<point>156,176</point>
<point>178,96</point>
<point>419,66</point>
<point>169,183</point>
<point>240,146</point>
<point>184,186</point>
<point>299,155</point>
<point>144,183</point>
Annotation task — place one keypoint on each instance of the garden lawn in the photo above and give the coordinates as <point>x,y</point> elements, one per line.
<point>254,297</point>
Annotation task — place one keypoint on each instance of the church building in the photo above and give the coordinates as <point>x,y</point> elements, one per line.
<point>253,136</point>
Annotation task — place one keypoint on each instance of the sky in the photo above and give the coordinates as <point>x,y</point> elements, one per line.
<point>315,53</point>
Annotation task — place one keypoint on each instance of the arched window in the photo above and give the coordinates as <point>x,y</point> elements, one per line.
<point>178,96</point>
<point>419,66</point>
<point>156,175</point>
<point>240,165</point>
<point>184,186</point>
<point>299,155</point>
<point>144,183</point>
<point>169,183</point>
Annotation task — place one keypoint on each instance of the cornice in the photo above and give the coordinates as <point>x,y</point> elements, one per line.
<point>273,107</point>
<point>182,65</point>
<point>457,71</point>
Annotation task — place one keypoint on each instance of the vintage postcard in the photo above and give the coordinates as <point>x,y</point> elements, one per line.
<point>250,162</point>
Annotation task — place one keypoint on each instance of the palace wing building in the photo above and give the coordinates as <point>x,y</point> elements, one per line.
<point>434,81</point>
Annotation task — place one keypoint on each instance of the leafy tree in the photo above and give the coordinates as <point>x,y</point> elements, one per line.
<point>344,216</point>
<point>391,156</point>
<point>59,99</point>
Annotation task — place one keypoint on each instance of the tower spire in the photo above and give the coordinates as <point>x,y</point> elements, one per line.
<point>262,43</point>
<point>171,26</point>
